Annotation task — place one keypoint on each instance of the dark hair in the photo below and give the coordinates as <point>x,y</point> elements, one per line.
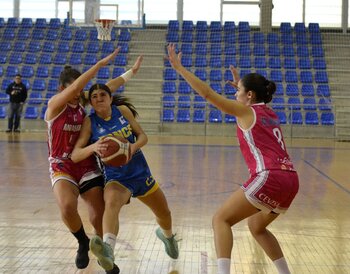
<point>68,75</point>
<point>263,88</point>
<point>118,100</point>
<point>18,75</point>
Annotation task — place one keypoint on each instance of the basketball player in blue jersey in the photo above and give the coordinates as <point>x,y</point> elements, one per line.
<point>116,116</point>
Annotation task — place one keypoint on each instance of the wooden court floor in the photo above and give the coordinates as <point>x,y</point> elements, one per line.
<point>196,174</point>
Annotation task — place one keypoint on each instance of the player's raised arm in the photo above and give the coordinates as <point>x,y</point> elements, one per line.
<point>115,83</point>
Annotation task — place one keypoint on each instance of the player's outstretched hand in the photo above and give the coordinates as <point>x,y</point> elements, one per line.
<point>174,59</point>
<point>137,65</point>
<point>235,76</point>
<point>108,58</point>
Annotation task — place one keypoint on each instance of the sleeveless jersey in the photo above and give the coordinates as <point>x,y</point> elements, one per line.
<point>117,125</point>
<point>262,145</point>
<point>63,132</point>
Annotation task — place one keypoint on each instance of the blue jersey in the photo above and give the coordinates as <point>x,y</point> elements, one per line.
<point>135,175</point>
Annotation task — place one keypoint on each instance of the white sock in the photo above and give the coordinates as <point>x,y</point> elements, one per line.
<point>281,265</point>
<point>224,265</point>
<point>110,239</point>
<point>167,233</point>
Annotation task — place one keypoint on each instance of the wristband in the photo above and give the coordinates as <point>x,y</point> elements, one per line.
<point>127,75</point>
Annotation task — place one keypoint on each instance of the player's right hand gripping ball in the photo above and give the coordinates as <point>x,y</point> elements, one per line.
<point>118,151</point>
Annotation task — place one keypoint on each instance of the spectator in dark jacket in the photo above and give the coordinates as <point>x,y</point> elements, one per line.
<point>18,94</point>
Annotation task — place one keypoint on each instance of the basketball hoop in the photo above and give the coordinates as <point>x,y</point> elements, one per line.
<point>104,29</point>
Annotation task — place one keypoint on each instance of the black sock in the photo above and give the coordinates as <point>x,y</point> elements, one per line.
<point>81,236</point>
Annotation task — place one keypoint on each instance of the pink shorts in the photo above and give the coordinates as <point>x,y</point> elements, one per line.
<point>272,190</point>
<point>77,174</point>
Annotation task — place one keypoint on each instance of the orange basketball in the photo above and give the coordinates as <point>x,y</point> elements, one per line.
<point>118,151</point>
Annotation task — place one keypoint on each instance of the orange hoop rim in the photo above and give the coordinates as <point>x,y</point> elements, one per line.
<point>105,22</point>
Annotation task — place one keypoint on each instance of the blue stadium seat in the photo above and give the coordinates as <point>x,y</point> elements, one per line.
<point>55,23</point>
<point>60,59</point>
<point>42,112</point>
<point>321,77</point>
<point>306,77</point>
<point>294,103</point>
<point>309,103</point>
<point>215,116</point>
<point>12,22</point>
<point>187,25</point>
<point>5,46</point>
<point>276,76</point>
<point>244,62</point>
<point>40,23</point>
<point>272,38</point>
<point>39,84</point>
<point>35,98</point>
<point>199,102</point>
<point>275,62</point>
<point>3,112</point>
<point>108,47</point>
<point>31,112</point>
<point>19,46</point>
<point>317,51</point>
<point>279,89</point>
<point>125,35</point>
<point>315,39</point>
<point>287,39</point>
<point>288,51</point>
<point>49,46</point>
<point>201,74</point>
<point>200,61</point>
<point>299,27</point>
<point>103,73</point>
<point>215,62</point>
<point>243,26</point>
<point>184,88</point>
<point>78,47</point>
<point>23,34</point>
<point>198,116</point>
<point>278,103</point>
<point>289,63</point>
<point>11,71</point>
<point>314,28</point>
<point>215,49</point>
<point>230,119</point>
<point>323,91</point>
<point>183,115</point>
<point>229,90</point>
<point>244,72</point>
<point>56,71</point>
<point>52,35</point>
<point>307,90</point>
<point>292,90</point>
<point>34,46</point>
<point>259,50</point>
<point>291,76</point>
<point>228,75</point>
<point>311,118</point>
<point>327,118</point>
<point>80,35</point>
<point>5,83</point>
<point>93,47</point>
<point>286,27</point>
<point>48,96</point>
<point>93,35</point>
<point>201,37</point>
<point>229,49</point>
<point>296,118</point>
<point>42,72</point>
<point>90,59</point>
<point>186,48</point>
<point>168,115</point>
<point>215,26</point>
<point>244,37</point>
<point>4,98</point>
<point>124,47</point>
<point>63,46</point>
<point>201,26</point>
<point>3,58</point>
<point>169,74</point>
<point>274,50</point>
<point>15,58</point>
<point>216,87</point>
<point>184,101</point>
<point>302,51</point>
<point>215,37</point>
<point>304,63</point>
<point>260,62</point>
<point>282,117</point>
<point>229,37</point>
<point>117,71</point>
<point>8,34</point>
<point>187,37</point>
<point>258,38</point>
<point>230,60</point>
<point>244,50</point>
<point>120,60</point>
<point>2,22</point>
<point>324,104</point>
<point>262,72</point>
<point>52,85</point>
<point>319,63</point>
<point>229,26</point>
<point>172,37</point>
<point>1,71</point>
<point>169,87</point>
<point>301,39</point>
<point>168,101</point>
<point>173,25</point>
<point>215,75</point>
<point>38,34</point>
<point>45,59</point>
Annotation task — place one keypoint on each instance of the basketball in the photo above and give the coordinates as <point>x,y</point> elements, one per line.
<point>118,151</point>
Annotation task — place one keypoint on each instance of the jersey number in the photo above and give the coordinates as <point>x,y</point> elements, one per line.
<point>278,135</point>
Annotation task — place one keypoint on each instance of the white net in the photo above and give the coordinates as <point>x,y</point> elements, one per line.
<point>104,29</point>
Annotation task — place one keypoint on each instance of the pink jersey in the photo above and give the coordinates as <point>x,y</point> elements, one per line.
<point>262,145</point>
<point>63,132</point>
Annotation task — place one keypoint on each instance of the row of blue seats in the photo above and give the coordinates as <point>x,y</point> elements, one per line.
<point>40,23</point>
<point>216,116</point>
<point>247,61</point>
<point>306,90</point>
<point>278,103</point>
<point>288,76</point>
<point>300,51</point>
<point>63,34</point>
<point>30,112</point>
<point>243,26</point>
<point>244,38</point>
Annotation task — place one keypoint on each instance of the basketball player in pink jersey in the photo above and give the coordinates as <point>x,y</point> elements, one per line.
<point>64,117</point>
<point>273,182</point>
